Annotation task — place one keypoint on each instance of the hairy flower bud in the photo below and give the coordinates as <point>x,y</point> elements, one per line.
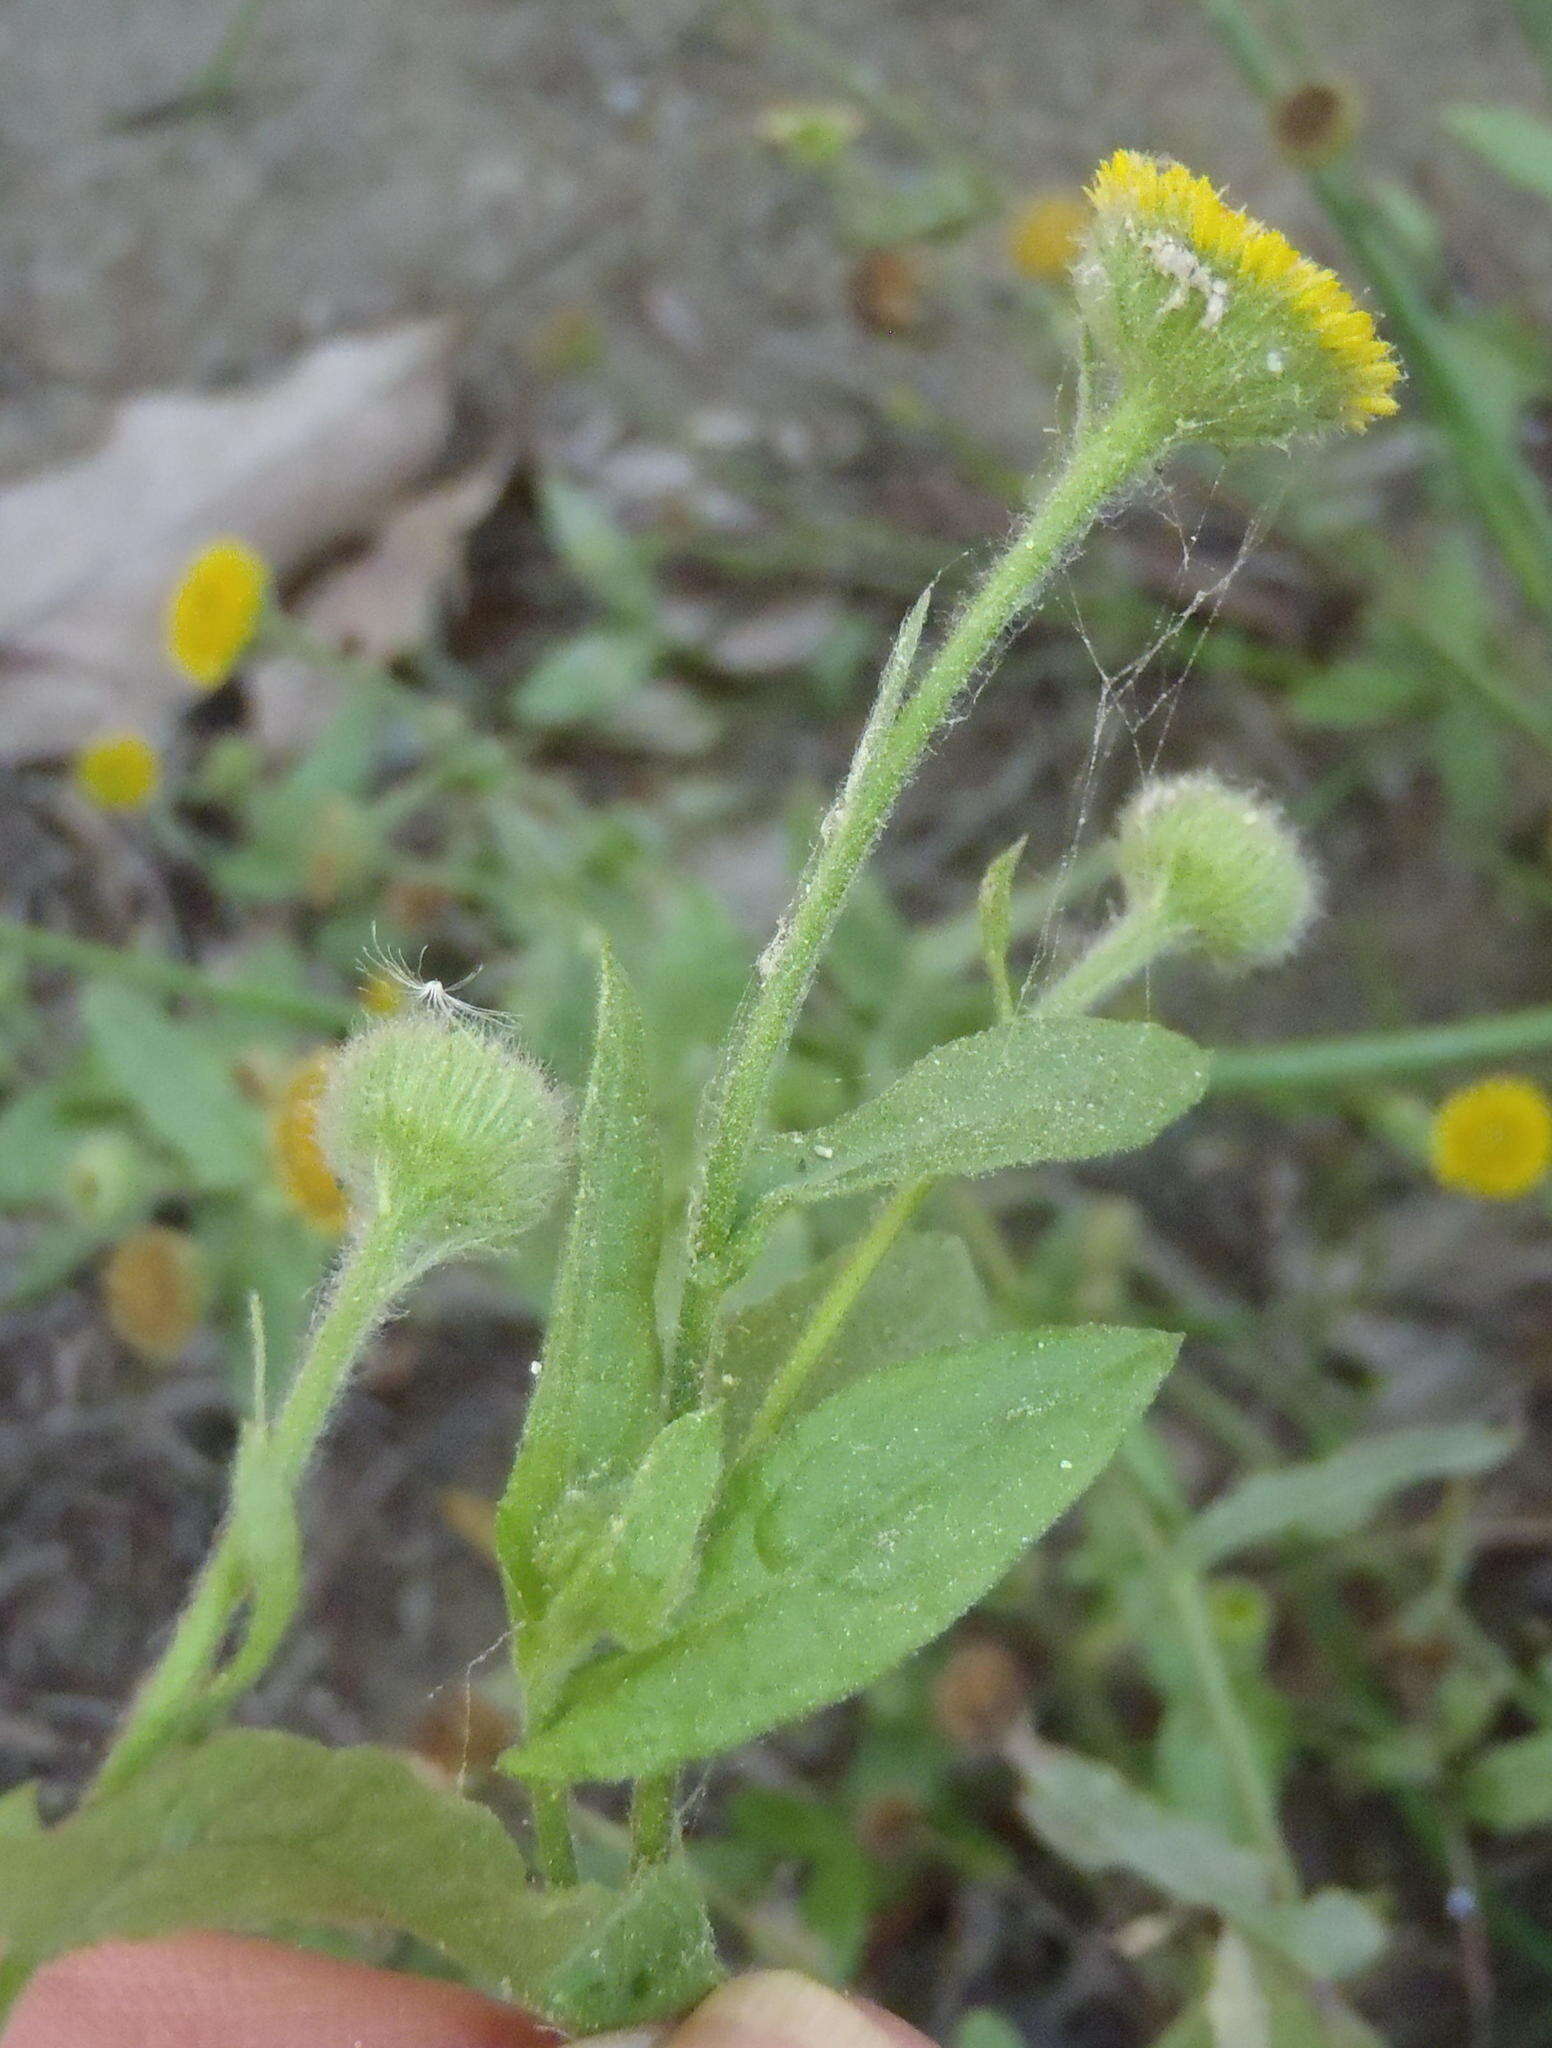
<point>1220,865</point>
<point>442,1125</point>
<point>1218,318</point>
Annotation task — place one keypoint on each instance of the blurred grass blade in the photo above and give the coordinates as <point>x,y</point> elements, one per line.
<point>1502,491</point>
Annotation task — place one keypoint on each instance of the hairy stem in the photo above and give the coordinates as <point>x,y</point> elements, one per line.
<point>1126,948</point>
<point>171,1697</point>
<point>654,1819</point>
<point>1111,452</point>
<point>555,1848</point>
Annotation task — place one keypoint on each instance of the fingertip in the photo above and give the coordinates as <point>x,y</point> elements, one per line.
<point>228,1991</point>
<point>780,2009</point>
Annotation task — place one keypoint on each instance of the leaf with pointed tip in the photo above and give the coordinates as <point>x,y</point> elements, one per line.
<point>598,1400</point>
<point>1015,1095</point>
<point>858,1535</point>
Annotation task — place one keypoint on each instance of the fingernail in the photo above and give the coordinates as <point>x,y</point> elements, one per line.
<point>779,2009</point>
<point>638,2037</point>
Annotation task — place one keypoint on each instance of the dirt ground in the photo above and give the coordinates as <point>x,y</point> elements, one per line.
<point>503,160</point>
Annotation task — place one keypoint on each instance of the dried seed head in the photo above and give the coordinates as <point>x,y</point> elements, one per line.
<point>1315,123</point>
<point>980,1693</point>
<point>154,1291</point>
<point>1223,867</point>
<point>442,1124</point>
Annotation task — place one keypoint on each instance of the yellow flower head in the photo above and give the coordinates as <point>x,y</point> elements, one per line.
<point>118,772</point>
<point>1493,1138</point>
<point>154,1291</point>
<point>300,1167</point>
<point>1221,320</point>
<point>1046,233</point>
<point>215,610</point>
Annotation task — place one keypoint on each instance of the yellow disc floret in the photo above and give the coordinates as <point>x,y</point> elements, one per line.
<point>118,772</point>
<point>1219,316</point>
<point>1493,1138</point>
<point>215,610</point>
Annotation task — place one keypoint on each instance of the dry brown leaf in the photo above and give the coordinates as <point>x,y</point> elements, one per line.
<point>379,604</point>
<point>89,549</point>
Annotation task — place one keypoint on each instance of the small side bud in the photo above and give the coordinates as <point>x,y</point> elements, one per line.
<point>1222,866</point>
<point>442,1126</point>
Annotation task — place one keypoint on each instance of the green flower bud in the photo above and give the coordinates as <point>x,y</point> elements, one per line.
<point>1220,866</point>
<point>441,1125</point>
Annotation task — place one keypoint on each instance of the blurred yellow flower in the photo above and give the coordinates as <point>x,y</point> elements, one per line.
<point>153,1289</point>
<point>1493,1138</point>
<point>118,772</point>
<point>1044,234</point>
<point>215,610</point>
<point>383,994</point>
<point>300,1166</point>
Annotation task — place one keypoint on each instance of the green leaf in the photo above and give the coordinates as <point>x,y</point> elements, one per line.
<point>639,1560</point>
<point>1509,1787</point>
<point>840,1887</point>
<point>38,1141</point>
<point>995,906</point>
<point>987,2029</point>
<point>1368,690</point>
<point>597,1402</point>
<point>1088,1813</point>
<point>587,678</point>
<point>1012,1096</point>
<point>651,1958</point>
<point>602,554</point>
<point>1336,1495</point>
<point>1517,144</point>
<point>1256,1999</point>
<point>866,1528</point>
<point>925,1296</point>
<point>179,1086</point>
<point>19,1812</point>
<point>256,1831</point>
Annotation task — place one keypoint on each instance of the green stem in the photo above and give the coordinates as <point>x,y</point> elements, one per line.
<point>174,1691</point>
<point>1184,1592</point>
<point>654,1819</point>
<point>1109,455</point>
<point>832,1309</point>
<point>173,978</point>
<point>1536,27</point>
<point>1370,1056</point>
<point>555,1847</point>
<point>1127,948</point>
